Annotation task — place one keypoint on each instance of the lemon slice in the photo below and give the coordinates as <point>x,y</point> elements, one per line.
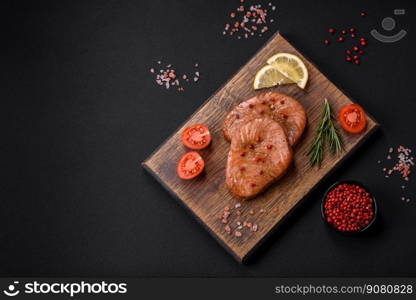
<point>269,76</point>
<point>291,66</point>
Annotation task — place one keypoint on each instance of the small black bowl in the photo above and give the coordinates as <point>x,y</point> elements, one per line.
<point>366,228</point>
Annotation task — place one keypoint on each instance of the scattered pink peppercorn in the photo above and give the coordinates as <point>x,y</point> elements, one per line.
<point>349,208</point>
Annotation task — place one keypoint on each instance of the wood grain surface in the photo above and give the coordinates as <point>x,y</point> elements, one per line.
<point>207,195</point>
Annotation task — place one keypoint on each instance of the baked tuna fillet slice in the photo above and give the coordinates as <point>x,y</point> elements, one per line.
<point>277,106</point>
<point>259,155</point>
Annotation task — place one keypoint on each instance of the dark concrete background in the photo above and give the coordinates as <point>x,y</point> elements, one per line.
<point>81,112</point>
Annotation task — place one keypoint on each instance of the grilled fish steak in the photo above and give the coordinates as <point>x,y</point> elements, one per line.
<point>259,155</point>
<point>287,111</point>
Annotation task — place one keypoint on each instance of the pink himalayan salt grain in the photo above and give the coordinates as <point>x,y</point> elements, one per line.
<point>240,227</point>
<point>249,20</point>
<point>404,162</point>
<point>168,78</point>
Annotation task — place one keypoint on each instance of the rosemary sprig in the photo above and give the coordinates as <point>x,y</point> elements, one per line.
<point>325,131</point>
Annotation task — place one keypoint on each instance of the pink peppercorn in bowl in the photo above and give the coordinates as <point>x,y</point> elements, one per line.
<point>349,207</point>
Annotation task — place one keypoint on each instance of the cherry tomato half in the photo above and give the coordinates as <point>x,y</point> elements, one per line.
<point>352,118</point>
<point>190,165</point>
<point>196,137</point>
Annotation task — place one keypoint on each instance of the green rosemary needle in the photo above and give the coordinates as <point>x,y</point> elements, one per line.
<point>325,131</point>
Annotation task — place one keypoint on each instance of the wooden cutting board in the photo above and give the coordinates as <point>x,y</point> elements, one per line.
<point>207,195</point>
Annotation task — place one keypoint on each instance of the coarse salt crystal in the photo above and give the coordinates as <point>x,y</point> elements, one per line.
<point>167,77</point>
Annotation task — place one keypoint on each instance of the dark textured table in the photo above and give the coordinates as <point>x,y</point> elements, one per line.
<point>81,111</point>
